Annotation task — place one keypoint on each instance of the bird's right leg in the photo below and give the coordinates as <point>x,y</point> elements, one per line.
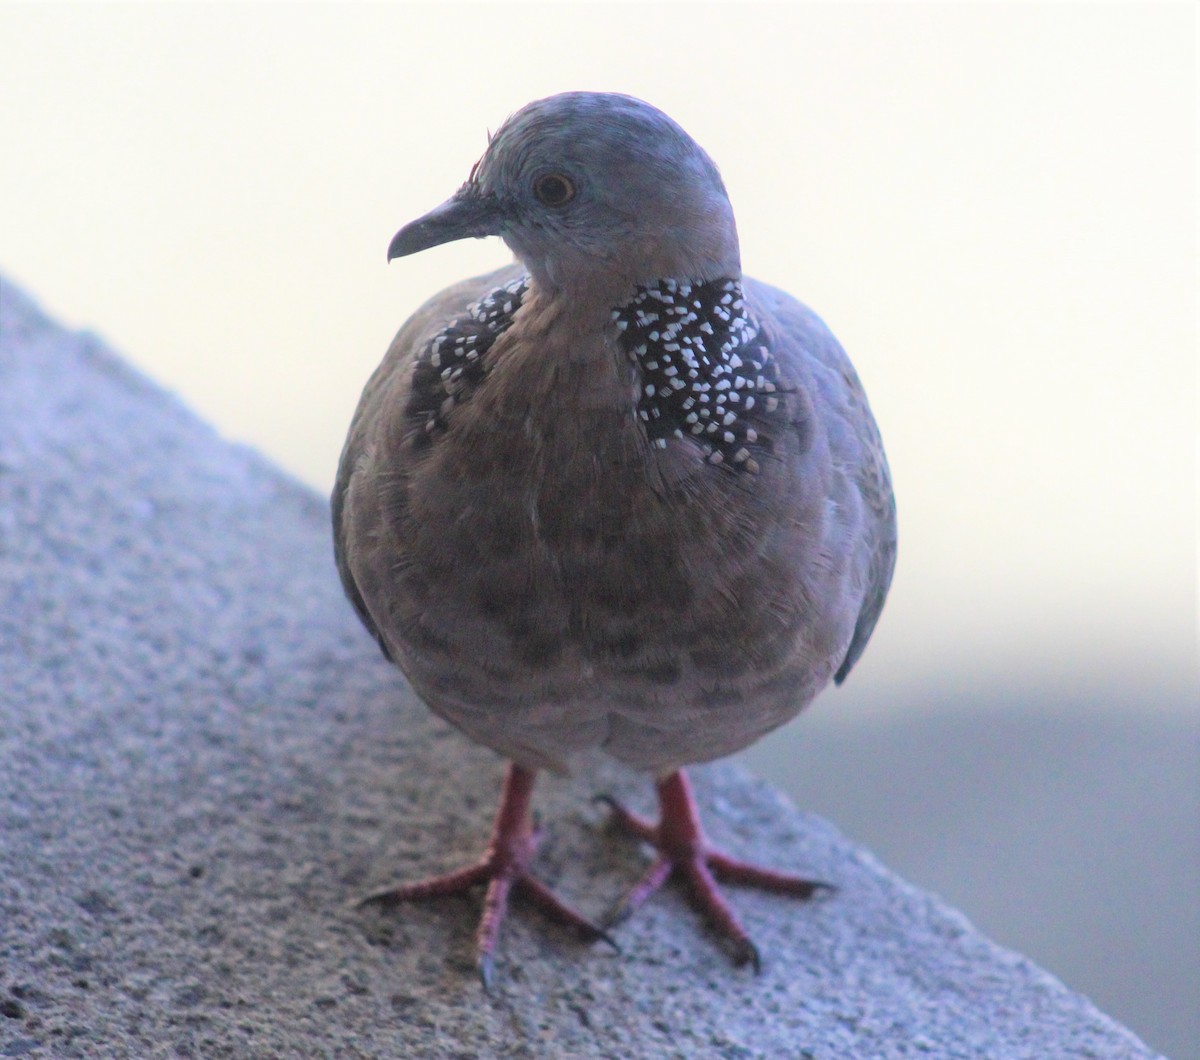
<point>683,850</point>
<point>503,868</point>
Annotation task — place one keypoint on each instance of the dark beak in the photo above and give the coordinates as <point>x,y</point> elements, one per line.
<point>467,213</point>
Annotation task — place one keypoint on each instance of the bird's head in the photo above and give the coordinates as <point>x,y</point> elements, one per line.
<point>590,187</point>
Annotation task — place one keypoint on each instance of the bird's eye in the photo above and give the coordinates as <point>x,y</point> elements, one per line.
<point>553,189</point>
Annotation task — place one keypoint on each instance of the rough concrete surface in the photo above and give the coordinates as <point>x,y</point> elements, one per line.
<point>204,760</point>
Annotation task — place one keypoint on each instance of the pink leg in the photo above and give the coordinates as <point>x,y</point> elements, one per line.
<point>503,867</point>
<point>684,850</point>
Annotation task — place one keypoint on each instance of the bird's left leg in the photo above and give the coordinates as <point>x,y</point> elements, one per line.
<point>503,867</point>
<point>683,850</point>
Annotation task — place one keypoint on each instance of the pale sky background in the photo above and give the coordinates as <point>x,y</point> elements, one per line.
<point>994,208</point>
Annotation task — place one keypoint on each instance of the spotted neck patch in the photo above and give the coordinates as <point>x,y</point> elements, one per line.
<point>706,370</point>
<point>453,362</point>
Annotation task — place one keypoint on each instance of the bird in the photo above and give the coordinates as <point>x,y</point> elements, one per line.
<point>616,495</point>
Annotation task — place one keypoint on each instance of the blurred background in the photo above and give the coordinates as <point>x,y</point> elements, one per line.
<point>994,207</point>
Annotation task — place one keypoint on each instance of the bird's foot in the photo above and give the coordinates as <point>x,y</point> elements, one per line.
<point>683,850</point>
<point>504,868</point>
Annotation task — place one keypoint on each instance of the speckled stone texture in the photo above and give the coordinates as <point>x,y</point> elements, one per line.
<point>204,760</point>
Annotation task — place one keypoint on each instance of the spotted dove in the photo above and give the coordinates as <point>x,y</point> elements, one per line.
<point>616,495</point>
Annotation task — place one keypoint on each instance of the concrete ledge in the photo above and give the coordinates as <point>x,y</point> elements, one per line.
<point>203,760</point>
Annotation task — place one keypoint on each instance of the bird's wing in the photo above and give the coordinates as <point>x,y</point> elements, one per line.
<point>855,446</point>
<point>390,382</point>
<point>875,485</point>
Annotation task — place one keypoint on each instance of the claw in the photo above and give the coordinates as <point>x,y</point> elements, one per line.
<point>605,937</point>
<point>683,850</point>
<point>504,866</point>
<point>485,966</point>
<point>747,953</point>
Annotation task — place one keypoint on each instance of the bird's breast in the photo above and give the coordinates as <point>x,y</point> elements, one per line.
<point>542,527</point>
<point>548,564</point>
<point>545,477</point>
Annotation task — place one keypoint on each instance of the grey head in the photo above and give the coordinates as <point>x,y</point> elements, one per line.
<point>592,189</point>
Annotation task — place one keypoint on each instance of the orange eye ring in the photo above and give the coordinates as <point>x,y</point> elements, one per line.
<point>553,189</point>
